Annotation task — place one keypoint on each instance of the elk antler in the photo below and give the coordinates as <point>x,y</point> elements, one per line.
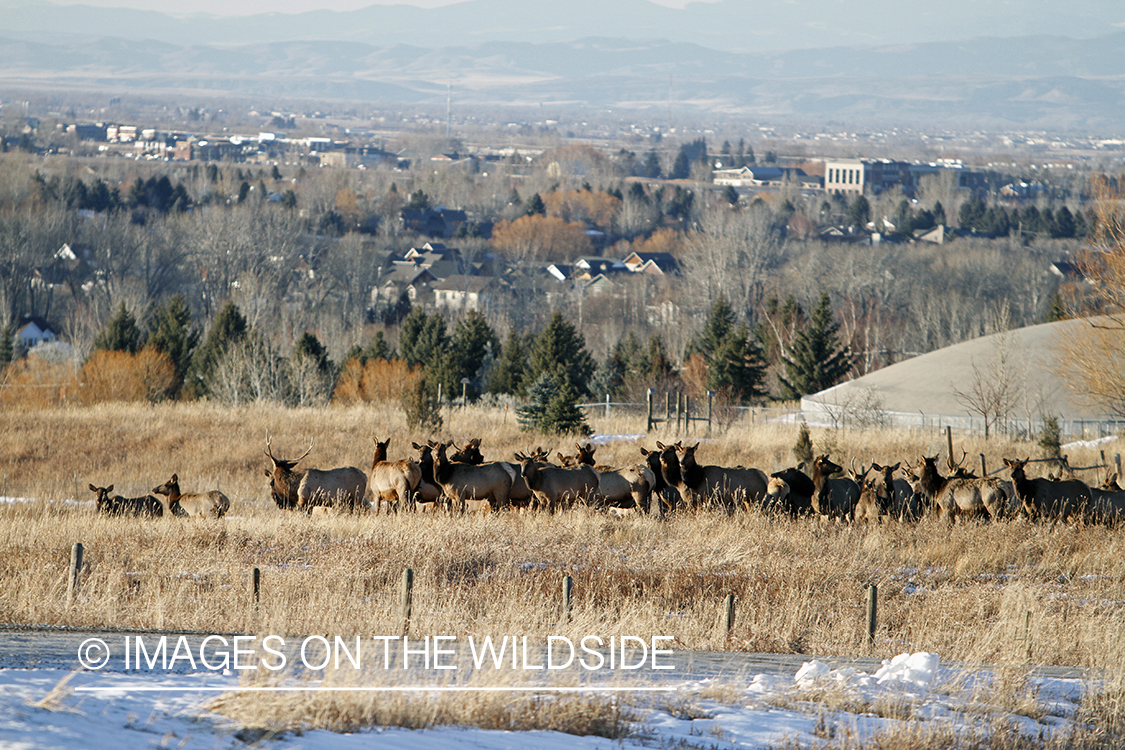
<point>952,465</point>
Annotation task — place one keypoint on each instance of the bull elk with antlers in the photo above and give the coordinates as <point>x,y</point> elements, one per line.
<point>344,488</point>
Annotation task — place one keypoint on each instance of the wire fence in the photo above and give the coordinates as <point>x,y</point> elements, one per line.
<point>711,415</point>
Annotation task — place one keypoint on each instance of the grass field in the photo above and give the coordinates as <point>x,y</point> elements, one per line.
<point>964,592</point>
<point>1008,594</point>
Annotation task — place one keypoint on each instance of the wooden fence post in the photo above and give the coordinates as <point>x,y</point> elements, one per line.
<point>648,419</point>
<point>607,406</point>
<point>74,575</point>
<point>1027,632</point>
<point>567,597</point>
<point>872,613</point>
<point>983,466</point>
<point>406,596</point>
<point>255,587</point>
<point>949,443</point>
<point>728,614</point>
<point>1116,464</point>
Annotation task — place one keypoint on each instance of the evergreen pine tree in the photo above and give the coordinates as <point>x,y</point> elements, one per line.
<point>681,168</point>
<point>720,322</point>
<point>816,359</point>
<point>652,168</point>
<point>561,350</point>
<point>309,346</point>
<point>657,365</point>
<point>471,342</point>
<point>539,394</point>
<point>420,403</point>
<point>737,366</point>
<point>7,347</point>
<point>803,450</point>
<point>230,328</point>
<point>535,206</point>
<point>507,374</point>
<point>422,339</point>
<point>171,331</point>
<point>120,334</point>
<point>562,415</point>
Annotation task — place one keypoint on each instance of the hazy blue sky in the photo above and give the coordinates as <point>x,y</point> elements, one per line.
<point>248,7</point>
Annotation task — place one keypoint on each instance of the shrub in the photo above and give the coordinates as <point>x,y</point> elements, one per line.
<point>149,375</point>
<point>379,380</point>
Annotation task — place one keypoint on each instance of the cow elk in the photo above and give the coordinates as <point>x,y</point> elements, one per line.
<point>834,498</point>
<point>213,504</point>
<point>554,488</point>
<point>1043,499</point>
<point>393,482</point>
<point>619,488</point>
<point>961,494</point>
<point>126,506</point>
<point>471,487</point>
<point>730,488</point>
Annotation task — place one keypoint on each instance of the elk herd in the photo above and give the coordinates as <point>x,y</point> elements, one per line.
<point>666,480</point>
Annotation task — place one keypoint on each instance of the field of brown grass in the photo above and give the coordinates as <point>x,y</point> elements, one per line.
<point>964,592</point>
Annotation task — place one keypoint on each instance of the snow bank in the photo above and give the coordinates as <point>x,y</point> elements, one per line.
<point>905,672</point>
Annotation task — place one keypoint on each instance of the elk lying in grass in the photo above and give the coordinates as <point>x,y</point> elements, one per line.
<point>834,498</point>
<point>961,494</point>
<point>729,489</point>
<point>393,482</point>
<point>554,488</point>
<point>1044,499</point>
<point>619,488</point>
<point>126,506</point>
<point>344,488</point>
<point>470,487</point>
<point>213,504</point>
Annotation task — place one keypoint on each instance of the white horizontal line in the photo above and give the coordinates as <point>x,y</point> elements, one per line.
<point>369,689</point>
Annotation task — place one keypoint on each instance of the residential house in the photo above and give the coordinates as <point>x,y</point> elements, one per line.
<point>33,330</point>
<point>653,264</point>
<point>463,293</point>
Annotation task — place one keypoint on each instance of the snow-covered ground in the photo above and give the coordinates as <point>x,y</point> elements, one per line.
<point>53,708</point>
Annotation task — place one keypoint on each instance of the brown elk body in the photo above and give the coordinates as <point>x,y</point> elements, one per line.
<point>620,488</point>
<point>662,497</point>
<point>213,504</point>
<point>554,488</point>
<point>961,494</point>
<point>393,482</point>
<point>117,505</point>
<point>428,492</point>
<point>834,498</point>
<point>470,487</point>
<point>1044,499</point>
<point>798,501</point>
<point>344,488</point>
<point>729,489</point>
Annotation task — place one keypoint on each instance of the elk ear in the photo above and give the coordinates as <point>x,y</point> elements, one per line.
<point>660,445</point>
<point>93,488</point>
<point>895,467</point>
<point>109,488</point>
<point>643,451</point>
<point>175,479</point>
<point>268,472</point>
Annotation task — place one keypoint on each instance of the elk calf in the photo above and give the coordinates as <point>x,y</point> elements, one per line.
<point>126,506</point>
<point>213,504</point>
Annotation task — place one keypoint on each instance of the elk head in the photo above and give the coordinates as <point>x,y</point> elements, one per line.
<point>283,479</point>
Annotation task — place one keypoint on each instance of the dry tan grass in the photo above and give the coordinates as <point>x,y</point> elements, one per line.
<point>962,591</point>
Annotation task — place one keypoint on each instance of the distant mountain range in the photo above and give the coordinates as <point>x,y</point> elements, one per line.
<point>490,54</point>
<point>731,25</point>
